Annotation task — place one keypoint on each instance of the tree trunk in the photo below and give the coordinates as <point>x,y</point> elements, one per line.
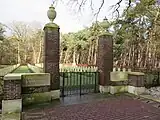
<point>39,53</point>
<point>74,56</point>
<point>89,54</point>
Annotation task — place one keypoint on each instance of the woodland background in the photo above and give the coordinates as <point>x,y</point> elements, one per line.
<point>136,35</point>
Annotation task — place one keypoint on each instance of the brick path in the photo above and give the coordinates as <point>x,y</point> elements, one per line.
<point>122,108</point>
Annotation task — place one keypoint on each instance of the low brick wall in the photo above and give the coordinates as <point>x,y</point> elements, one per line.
<point>12,101</point>
<point>25,89</point>
<point>126,81</point>
<point>34,87</point>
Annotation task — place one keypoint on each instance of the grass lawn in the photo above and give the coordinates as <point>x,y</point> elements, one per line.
<point>22,69</point>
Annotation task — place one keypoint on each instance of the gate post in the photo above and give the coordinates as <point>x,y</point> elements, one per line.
<point>51,52</point>
<point>105,61</point>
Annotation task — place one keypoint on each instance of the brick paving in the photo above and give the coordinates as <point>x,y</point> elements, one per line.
<point>119,108</point>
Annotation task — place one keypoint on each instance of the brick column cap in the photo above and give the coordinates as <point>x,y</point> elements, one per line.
<point>51,26</point>
<point>105,34</point>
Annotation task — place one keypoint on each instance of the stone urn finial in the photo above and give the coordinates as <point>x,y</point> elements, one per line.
<point>51,13</point>
<point>105,23</point>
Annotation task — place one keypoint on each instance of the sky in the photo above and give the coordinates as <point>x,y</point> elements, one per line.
<point>35,12</point>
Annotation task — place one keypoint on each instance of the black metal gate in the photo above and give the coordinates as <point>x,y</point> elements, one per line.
<point>78,83</point>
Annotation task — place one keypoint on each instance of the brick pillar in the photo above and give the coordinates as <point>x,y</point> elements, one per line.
<point>105,61</point>
<point>51,54</point>
<point>12,100</point>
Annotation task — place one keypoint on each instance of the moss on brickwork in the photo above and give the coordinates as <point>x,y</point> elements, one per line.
<point>36,98</point>
<point>51,26</point>
<point>36,79</point>
<point>11,116</point>
<point>22,69</point>
<point>11,106</point>
<point>105,34</point>
<point>118,89</point>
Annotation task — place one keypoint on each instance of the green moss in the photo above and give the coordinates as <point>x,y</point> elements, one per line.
<point>52,104</point>
<point>36,76</point>
<point>105,34</point>
<point>11,116</point>
<point>51,26</point>
<point>121,88</point>
<point>36,98</point>
<point>11,106</point>
<point>118,89</point>
<point>36,79</point>
<point>22,69</point>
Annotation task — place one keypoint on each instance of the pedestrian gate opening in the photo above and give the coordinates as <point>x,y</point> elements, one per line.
<point>73,83</point>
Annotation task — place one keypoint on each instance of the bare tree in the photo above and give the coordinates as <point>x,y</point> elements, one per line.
<point>79,5</point>
<point>29,41</point>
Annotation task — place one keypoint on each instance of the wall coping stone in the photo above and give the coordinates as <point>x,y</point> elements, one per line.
<point>17,76</point>
<point>127,72</point>
<point>13,76</point>
<point>136,73</point>
<point>33,80</point>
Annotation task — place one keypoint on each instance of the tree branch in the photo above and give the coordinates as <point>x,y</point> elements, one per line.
<point>116,7</point>
<point>97,13</point>
<point>78,4</point>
